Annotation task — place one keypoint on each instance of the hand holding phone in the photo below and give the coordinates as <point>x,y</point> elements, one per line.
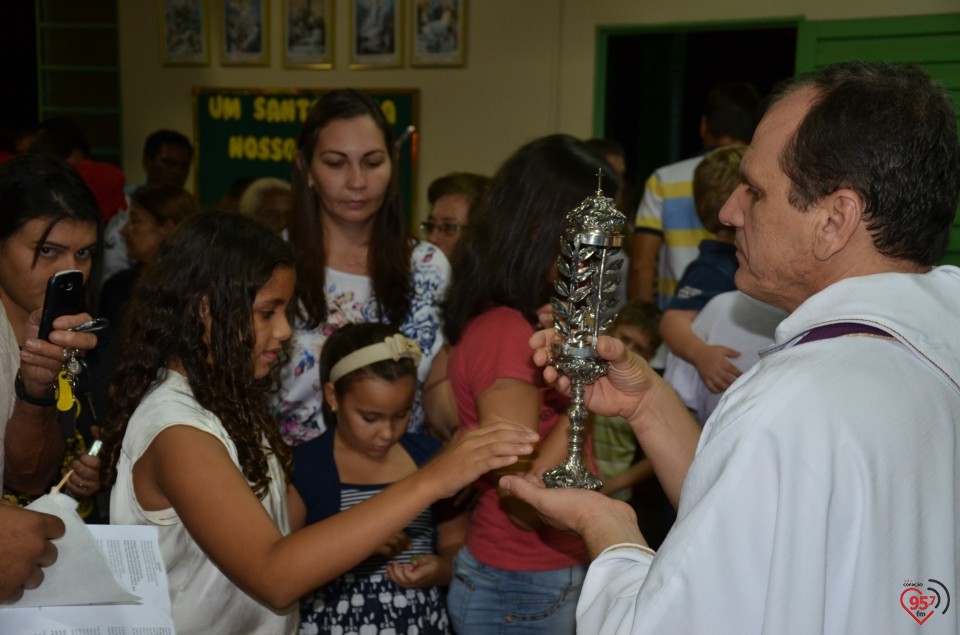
<point>41,358</point>
<point>64,296</point>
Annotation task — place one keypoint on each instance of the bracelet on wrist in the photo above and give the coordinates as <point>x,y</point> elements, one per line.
<point>21,392</point>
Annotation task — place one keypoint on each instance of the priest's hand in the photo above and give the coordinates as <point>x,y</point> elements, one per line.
<point>621,392</point>
<point>599,520</point>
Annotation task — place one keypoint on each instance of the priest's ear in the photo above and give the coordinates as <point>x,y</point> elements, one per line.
<point>839,222</point>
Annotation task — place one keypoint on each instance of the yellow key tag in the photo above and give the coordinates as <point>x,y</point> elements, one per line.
<point>64,392</point>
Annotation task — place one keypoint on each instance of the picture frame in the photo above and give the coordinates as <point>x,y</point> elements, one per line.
<point>245,33</point>
<point>308,33</point>
<point>184,32</point>
<point>376,34</point>
<point>438,33</point>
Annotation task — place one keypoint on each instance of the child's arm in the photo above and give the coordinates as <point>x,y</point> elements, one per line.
<point>438,402</point>
<point>191,471</point>
<point>397,543</point>
<point>298,520</point>
<point>636,473</point>
<point>431,569</point>
<point>641,279</point>
<point>296,508</point>
<point>516,400</point>
<point>716,371</point>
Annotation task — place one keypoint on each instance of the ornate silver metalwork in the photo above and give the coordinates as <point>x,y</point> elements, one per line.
<point>583,309</point>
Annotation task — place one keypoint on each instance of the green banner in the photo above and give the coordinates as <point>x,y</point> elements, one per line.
<point>244,132</point>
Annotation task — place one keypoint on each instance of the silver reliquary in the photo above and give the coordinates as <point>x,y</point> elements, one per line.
<point>589,273</point>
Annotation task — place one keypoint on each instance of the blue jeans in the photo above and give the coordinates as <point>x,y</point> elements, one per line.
<point>484,600</point>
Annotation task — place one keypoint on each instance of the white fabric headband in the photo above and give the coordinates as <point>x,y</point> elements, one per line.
<point>395,347</point>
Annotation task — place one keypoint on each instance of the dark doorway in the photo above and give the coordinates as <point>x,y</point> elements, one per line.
<point>656,83</point>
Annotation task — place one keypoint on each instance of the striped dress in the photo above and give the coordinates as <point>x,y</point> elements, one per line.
<point>364,600</point>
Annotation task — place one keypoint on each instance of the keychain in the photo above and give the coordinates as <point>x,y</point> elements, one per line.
<point>65,390</point>
<point>65,387</point>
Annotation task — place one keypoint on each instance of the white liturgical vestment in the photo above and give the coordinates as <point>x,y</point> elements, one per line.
<point>824,493</point>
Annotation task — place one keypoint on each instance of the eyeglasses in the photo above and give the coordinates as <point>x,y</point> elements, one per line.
<point>447,229</point>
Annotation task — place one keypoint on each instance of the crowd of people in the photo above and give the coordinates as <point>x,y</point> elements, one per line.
<point>338,427</point>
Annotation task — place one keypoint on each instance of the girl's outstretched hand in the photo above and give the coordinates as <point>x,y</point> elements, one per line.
<point>476,453</point>
<point>422,571</point>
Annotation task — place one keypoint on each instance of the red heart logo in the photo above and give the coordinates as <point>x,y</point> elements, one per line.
<point>913,612</point>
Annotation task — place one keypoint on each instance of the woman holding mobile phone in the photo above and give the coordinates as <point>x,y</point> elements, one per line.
<point>50,223</point>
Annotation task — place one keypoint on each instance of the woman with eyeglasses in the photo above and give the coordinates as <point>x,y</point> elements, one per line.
<point>450,198</point>
<point>355,260</point>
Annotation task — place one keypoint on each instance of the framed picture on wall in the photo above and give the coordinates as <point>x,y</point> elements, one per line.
<point>375,32</point>
<point>438,33</point>
<point>184,32</point>
<point>245,33</point>
<point>308,33</point>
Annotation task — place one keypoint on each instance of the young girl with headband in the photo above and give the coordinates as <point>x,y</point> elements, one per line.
<point>195,452</point>
<point>369,374</point>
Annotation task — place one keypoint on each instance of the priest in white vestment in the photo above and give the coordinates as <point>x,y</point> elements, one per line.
<point>822,495</point>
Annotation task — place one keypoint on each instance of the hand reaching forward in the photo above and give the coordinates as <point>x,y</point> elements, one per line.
<point>474,454</point>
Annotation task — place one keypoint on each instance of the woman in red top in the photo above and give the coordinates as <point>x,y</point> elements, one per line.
<point>515,573</point>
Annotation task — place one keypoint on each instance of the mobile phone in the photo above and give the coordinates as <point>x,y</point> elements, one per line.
<point>64,296</point>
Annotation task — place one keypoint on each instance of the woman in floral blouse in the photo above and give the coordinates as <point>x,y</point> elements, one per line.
<point>356,262</point>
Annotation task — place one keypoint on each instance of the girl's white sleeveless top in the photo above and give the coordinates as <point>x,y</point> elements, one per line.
<point>203,599</point>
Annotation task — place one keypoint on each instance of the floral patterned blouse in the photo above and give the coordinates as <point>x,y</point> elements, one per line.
<point>350,300</point>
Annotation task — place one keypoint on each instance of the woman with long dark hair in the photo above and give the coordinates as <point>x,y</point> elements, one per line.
<point>355,261</point>
<point>49,222</point>
<point>514,573</point>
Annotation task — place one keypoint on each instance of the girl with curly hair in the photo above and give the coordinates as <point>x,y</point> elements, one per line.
<point>193,450</point>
